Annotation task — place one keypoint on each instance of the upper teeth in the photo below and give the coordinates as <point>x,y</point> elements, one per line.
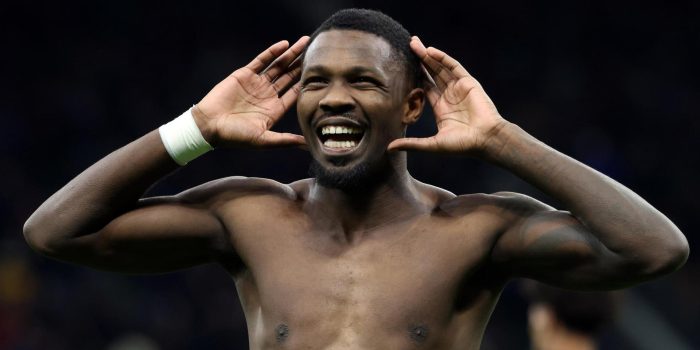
<point>339,130</point>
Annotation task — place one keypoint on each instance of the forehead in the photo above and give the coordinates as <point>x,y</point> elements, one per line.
<point>336,49</point>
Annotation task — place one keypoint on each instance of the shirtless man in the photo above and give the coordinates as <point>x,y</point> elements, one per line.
<point>362,256</point>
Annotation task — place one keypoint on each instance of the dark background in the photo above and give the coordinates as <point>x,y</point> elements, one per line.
<point>612,84</point>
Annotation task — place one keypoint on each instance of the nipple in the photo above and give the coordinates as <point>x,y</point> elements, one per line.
<point>419,333</point>
<point>281,332</point>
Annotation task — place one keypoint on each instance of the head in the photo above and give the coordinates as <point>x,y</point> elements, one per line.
<point>584,313</point>
<point>360,90</point>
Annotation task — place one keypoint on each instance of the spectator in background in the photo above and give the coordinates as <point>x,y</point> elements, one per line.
<point>561,319</point>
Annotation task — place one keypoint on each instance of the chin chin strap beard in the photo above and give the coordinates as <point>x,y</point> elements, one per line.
<point>359,177</point>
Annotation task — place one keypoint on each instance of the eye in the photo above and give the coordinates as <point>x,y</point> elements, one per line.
<point>314,83</point>
<point>365,81</point>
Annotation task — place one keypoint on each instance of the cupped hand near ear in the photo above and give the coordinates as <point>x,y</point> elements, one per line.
<point>465,116</point>
<point>241,109</point>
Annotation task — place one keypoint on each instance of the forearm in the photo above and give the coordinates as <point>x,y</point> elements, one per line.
<point>624,222</point>
<point>105,190</point>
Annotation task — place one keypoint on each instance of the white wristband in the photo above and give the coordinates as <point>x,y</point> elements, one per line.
<point>182,138</point>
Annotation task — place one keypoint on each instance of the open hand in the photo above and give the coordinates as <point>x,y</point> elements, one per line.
<point>465,116</point>
<point>240,110</point>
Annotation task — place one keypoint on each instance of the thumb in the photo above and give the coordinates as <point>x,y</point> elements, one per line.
<point>413,144</point>
<point>279,139</point>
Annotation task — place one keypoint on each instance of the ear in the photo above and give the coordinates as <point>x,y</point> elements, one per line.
<point>413,106</point>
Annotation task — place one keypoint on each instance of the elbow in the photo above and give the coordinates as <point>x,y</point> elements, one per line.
<point>668,255</point>
<point>679,251</point>
<point>29,231</point>
<point>36,238</point>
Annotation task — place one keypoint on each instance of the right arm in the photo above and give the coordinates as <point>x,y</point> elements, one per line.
<point>99,219</point>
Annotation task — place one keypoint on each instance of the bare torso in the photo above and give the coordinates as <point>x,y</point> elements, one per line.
<point>402,266</point>
<point>421,282</point>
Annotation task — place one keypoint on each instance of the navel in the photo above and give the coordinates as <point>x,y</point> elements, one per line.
<point>281,332</point>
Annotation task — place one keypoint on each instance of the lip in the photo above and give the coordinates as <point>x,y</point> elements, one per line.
<point>340,121</point>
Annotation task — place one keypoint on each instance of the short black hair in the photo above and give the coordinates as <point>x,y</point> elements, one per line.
<point>377,23</point>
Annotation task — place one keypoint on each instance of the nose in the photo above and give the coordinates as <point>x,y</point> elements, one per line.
<point>337,99</point>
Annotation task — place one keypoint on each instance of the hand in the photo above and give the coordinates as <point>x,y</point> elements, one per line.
<point>465,116</point>
<point>240,110</point>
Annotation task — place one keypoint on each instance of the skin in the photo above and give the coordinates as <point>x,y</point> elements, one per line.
<point>548,333</point>
<point>397,265</point>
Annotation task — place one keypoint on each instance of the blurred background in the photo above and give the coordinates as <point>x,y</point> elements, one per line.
<point>613,84</point>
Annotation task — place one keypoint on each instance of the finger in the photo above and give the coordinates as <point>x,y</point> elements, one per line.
<point>291,76</point>
<point>289,98</point>
<point>417,46</point>
<point>428,80</point>
<point>440,74</point>
<point>266,57</point>
<point>430,67</point>
<point>450,63</point>
<point>413,144</point>
<point>283,62</point>
<point>442,58</point>
<point>281,139</point>
<point>429,86</point>
<point>433,94</point>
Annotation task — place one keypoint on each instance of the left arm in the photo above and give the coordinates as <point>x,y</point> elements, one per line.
<point>611,238</point>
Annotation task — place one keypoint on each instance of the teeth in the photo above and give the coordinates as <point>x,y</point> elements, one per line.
<point>339,130</point>
<point>339,144</point>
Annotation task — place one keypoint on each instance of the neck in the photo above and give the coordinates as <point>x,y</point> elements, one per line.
<point>393,199</point>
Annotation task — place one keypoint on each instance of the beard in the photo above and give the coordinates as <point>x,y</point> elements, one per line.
<point>359,177</point>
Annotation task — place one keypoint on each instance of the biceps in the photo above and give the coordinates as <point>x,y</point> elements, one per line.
<point>156,238</point>
<point>556,248</point>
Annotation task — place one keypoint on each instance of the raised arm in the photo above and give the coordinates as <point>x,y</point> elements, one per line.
<point>99,219</point>
<point>610,238</point>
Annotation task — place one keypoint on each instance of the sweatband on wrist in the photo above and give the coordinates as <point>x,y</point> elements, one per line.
<point>182,138</point>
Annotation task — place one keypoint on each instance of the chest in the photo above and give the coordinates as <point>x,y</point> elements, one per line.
<point>401,272</point>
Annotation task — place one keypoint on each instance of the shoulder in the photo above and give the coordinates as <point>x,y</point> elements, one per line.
<point>499,203</point>
<point>237,187</point>
<point>519,203</point>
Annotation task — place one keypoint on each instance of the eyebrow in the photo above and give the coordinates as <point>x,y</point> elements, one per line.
<point>354,70</point>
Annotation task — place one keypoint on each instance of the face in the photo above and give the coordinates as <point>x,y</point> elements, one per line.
<point>354,100</point>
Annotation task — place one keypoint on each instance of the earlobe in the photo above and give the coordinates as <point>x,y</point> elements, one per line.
<point>413,107</point>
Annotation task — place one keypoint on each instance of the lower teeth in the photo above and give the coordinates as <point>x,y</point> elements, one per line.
<point>339,144</point>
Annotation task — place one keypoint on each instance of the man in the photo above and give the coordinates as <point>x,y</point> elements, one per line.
<point>567,320</point>
<point>362,255</point>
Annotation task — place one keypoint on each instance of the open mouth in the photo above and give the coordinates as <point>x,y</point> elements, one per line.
<point>340,138</point>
